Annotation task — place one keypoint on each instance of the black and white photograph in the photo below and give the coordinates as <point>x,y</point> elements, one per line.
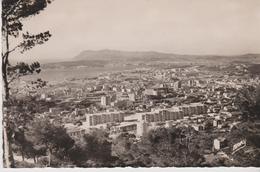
<point>130,83</point>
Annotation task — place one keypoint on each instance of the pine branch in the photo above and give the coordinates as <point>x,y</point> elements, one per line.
<point>11,10</point>
<point>4,55</point>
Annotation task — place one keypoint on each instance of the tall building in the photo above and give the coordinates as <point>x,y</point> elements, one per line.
<point>193,109</point>
<point>132,97</point>
<point>138,128</point>
<point>177,85</point>
<point>151,92</point>
<point>43,96</point>
<point>160,115</point>
<point>95,119</point>
<point>105,100</point>
<point>191,83</point>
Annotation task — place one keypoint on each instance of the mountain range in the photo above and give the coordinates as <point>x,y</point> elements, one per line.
<point>102,57</point>
<point>106,55</point>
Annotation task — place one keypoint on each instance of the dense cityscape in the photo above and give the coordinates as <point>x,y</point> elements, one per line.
<point>140,83</point>
<point>140,104</point>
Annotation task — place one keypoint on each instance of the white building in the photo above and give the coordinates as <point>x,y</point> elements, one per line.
<point>93,120</point>
<point>132,97</point>
<point>105,101</point>
<point>136,127</point>
<point>219,143</point>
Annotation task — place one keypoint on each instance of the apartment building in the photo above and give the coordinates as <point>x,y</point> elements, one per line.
<point>103,118</point>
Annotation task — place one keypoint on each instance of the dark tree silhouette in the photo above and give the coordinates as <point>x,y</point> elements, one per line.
<point>248,102</point>
<point>53,138</point>
<point>13,13</point>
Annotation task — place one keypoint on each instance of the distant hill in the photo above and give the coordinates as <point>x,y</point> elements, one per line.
<point>105,55</point>
<point>101,58</point>
<point>108,55</point>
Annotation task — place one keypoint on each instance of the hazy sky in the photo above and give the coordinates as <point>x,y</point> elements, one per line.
<point>177,26</point>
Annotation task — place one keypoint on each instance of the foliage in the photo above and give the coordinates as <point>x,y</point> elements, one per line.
<point>254,69</point>
<point>160,147</point>
<point>124,105</point>
<point>209,125</point>
<point>98,146</point>
<point>94,149</point>
<point>13,13</point>
<point>25,164</point>
<point>248,102</point>
<point>249,156</point>
<point>53,138</point>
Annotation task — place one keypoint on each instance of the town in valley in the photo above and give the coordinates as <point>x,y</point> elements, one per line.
<point>134,83</point>
<point>198,106</point>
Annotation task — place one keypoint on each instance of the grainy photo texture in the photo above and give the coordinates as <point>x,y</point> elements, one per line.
<point>130,83</point>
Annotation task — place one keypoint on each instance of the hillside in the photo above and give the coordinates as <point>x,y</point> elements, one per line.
<point>100,58</point>
<point>108,55</point>
<point>119,55</point>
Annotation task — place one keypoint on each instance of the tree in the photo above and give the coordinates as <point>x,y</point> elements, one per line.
<point>25,147</point>
<point>248,130</point>
<point>24,110</point>
<point>92,150</point>
<point>98,146</point>
<point>13,12</point>
<point>124,105</point>
<point>77,155</point>
<point>209,126</point>
<point>20,142</point>
<point>162,147</point>
<point>54,138</point>
<point>122,148</point>
<point>248,102</point>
